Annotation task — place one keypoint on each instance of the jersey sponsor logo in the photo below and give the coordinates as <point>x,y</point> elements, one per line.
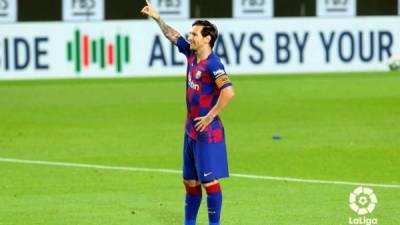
<point>191,83</point>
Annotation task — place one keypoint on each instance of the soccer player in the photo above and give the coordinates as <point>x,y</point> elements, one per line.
<point>208,92</point>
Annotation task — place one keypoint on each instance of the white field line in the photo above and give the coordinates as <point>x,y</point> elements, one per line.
<point>171,171</point>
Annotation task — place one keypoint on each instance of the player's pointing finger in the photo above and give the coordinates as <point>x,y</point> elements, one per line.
<point>145,11</point>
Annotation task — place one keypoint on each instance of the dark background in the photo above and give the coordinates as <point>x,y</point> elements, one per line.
<point>51,10</point>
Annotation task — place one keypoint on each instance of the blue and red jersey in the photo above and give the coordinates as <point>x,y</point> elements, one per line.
<point>204,81</point>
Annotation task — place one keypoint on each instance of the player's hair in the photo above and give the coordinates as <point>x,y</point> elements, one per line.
<point>208,29</point>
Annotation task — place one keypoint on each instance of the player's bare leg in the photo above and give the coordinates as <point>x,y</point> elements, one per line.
<point>191,183</point>
<point>208,184</point>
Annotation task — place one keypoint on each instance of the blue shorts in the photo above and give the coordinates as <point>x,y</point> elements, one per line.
<point>204,162</point>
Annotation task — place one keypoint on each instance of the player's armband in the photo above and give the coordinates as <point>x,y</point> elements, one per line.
<point>222,81</point>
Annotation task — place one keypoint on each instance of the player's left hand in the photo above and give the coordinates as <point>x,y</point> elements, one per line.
<point>150,11</point>
<point>203,122</point>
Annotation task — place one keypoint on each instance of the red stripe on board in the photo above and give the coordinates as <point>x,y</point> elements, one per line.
<point>86,50</point>
<point>110,54</point>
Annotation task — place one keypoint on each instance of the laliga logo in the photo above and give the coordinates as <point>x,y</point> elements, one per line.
<point>362,200</point>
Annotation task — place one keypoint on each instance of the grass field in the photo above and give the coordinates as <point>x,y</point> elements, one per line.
<point>336,127</point>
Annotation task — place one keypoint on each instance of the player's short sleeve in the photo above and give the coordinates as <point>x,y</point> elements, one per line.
<point>217,71</point>
<point>183,46</point>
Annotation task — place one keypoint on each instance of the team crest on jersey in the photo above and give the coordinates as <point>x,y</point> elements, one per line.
<point>198,74</point>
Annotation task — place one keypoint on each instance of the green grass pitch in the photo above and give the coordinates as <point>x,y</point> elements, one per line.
<point>334,127</point>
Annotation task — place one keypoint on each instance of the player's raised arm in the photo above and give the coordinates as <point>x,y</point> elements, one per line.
<point>169,32</point>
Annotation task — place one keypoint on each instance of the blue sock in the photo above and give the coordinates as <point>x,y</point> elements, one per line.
<point>192,204</point>
<point>214,203</point>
